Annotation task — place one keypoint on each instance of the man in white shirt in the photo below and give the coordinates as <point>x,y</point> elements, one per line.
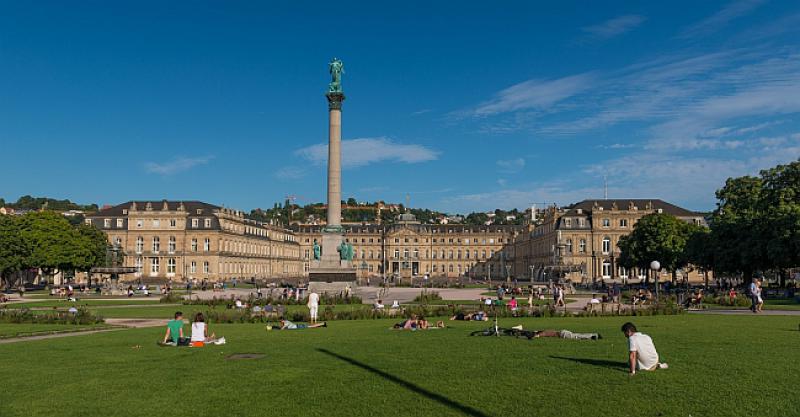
<point>642,352</point>
<point>313,306</point>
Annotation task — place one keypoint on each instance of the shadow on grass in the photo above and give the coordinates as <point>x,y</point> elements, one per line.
<point>409,386</point>
<point>602,363</point>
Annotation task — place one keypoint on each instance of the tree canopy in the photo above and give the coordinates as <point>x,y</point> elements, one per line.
<point>48,241</point>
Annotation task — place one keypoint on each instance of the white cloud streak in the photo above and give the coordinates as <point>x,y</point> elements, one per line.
<point>614,27</point>
<point>365,151</point>
<point>721,18</point>
<point>179,164</point>
<point>534,94</point>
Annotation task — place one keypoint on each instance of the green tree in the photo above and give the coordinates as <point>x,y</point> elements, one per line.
<point>738,234</point>
<point>699,251</point>
<point>13,251</point>
<point>660,237</point>
<point>780,208</point>
<point>51,242</point>
<point>93,248</point>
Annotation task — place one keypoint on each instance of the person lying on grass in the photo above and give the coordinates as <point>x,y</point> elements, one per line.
<point>288,325</point>
<point>478,316</point>
<point>174,334</point>
<point>518,331</point>
<point>415,323</point>
<point>642,353</point>
<point>200,333</point>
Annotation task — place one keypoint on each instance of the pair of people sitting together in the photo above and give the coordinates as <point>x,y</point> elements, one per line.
<point>174,335</point>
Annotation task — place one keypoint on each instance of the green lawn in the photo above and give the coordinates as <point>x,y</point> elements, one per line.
<point>719,366</point>
<point>14,330</point>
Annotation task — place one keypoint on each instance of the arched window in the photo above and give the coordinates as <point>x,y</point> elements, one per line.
<point>606,245</point>
<point>569,245</point>
<point>139,244</point>
<point>194,245</point>
<point>451,267</point>
<point>171,244</point>
<point>207,244</point>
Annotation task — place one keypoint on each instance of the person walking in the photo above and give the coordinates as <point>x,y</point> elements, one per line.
<point>313,306</point>
<point>759,299</point>
<point>753,292</point>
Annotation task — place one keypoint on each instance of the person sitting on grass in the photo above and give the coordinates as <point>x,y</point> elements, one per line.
<point>288,325</point>
<point>200,333</point>
<point>174,334</point>
<point>642,352</point>
<point>378,305</point>
<point>512,304</point>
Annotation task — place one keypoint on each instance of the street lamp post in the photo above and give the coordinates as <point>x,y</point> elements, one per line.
<point>655,266</point>
<point>508,274</point>
<point>531,267</point>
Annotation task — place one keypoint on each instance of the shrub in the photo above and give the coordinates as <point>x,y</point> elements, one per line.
<point>24,315</point>
<point>426,296</point>
<point>170,298</point>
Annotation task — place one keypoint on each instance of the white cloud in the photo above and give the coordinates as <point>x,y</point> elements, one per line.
<point>721,18</point>
<point>179,164</point>
<point>615,26</point>
<point>534,94</point>
<point>510,166</point>
<point>365,151</point>
<point>290,173</point>
<point>617,146</point>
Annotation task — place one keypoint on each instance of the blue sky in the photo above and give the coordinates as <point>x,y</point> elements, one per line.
<point>468,108</point>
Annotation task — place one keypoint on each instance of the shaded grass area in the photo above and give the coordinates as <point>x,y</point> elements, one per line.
<point>361,368</point>
<point>16,330</point>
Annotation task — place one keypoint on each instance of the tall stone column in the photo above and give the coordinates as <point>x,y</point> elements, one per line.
<point>333,270</point>
<point>335,100</point>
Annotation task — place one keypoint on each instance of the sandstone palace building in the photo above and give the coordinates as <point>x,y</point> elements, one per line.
<point>190,239</point>
<point>579,242</point>
<point>407,248</point>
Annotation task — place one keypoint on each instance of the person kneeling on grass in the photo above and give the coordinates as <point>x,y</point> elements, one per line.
<point>642,352</point>
<point>174,334</point>
<point>200,333</point>
<point>288,325</point>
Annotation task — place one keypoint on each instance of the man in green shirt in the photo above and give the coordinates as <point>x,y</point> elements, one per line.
<point>175,331</point>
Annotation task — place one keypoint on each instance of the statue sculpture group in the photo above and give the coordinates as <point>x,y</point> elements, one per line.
<point>345,251</point>
<point>336,68</point>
